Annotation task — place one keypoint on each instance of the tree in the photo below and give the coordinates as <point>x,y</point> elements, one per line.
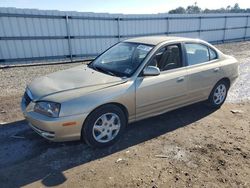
<point>179,10</point>
<point>236,8</point>
<point>206,11</point>
<point>193,9</point>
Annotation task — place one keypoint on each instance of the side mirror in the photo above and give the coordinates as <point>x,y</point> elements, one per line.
<point>151,71</point>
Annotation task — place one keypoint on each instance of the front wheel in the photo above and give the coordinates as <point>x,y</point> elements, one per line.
<point>104,126</point>
<point>218,95</point>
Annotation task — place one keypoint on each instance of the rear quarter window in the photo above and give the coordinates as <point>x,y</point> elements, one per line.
<point>212,54</point>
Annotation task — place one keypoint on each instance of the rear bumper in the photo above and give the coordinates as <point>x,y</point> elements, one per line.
<point>233,80</point>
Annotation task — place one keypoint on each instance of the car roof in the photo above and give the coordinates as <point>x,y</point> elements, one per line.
<point>154,40</point>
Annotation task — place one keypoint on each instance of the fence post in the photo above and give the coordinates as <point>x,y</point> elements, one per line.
<point>68,37</point>
<point>167,18</point>
<point>225,27</point>
<point>118,28</point>
<point>245,35</point>
<point>199,26</point>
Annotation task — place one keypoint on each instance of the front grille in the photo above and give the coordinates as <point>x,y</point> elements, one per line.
<point>27,99</point>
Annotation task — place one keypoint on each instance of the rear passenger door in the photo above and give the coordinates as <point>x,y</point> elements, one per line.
<point>203,70</point>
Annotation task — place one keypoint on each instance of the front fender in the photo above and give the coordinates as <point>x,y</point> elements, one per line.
<point>123,94</point>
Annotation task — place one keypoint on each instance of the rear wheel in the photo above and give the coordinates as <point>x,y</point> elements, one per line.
<point>104,126</point>
<point>218,95</point>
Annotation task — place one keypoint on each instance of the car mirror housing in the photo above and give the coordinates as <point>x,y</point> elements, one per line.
<point>151,71</point>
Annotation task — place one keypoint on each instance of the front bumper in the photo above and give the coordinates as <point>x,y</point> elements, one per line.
<point>59,129</point>
<point>43,133</point>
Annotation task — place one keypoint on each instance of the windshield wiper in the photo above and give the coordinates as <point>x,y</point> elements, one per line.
<point>101,69</point>
<point>104,70</point>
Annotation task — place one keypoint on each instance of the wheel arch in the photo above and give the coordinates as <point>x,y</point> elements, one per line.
<point>119,105</point>
<point>227,80</point>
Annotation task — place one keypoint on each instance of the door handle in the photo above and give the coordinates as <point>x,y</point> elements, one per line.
<point>180,79</point>
<point>216,69</point>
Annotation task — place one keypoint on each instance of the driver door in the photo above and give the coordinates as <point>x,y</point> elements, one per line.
<point>158,94</point>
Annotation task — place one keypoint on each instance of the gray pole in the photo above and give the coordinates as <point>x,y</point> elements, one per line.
<point>118,28</point>
<point>225,27</point>
<point>200,27</point>
<point>167,25</point>
<point>245,35</point>
<point>68,36</point>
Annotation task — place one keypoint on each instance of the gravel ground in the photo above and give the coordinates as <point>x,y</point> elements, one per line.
<point>241,51</point>
<point>189,147</point>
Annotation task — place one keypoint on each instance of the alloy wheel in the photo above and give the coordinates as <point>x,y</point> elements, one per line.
<point>106,127</point>
<point>219,94</point>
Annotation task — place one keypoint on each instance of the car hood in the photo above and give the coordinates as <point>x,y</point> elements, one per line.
<point>80,77</point>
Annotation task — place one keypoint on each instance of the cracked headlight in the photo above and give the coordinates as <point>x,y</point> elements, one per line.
<point>50,109</point>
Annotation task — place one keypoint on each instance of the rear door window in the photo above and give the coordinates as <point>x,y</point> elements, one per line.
<point>196,53</point>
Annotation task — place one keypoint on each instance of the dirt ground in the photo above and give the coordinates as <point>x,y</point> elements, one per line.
<point>190,147</point>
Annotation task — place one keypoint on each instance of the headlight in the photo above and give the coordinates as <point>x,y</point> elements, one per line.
<point>50,109</point>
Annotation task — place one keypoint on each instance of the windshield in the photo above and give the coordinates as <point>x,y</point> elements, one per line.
<point>122,59</point>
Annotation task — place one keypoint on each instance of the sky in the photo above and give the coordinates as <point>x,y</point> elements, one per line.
<point>120,6</point>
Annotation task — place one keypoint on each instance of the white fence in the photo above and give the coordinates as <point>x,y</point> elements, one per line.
<point>28,35</point>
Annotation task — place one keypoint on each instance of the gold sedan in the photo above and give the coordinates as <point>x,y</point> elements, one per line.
<point>133,80</point>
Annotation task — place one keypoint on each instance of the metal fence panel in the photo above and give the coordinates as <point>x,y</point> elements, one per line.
<point>184,25</point>
<point>28,35</point>
<point>91,46</point>
<point>236,22</point>
<point>137,27</point>
<point>210,23</point>
<point>234,34</point>
<point>212,35</point>
<point>248,33</point>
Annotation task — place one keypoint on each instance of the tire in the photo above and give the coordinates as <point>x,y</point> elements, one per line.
<point>104,126</point>
<point>218,94</point>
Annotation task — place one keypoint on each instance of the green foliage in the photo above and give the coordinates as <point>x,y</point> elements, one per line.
<point>195,9</point>
<point>179,10</point>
